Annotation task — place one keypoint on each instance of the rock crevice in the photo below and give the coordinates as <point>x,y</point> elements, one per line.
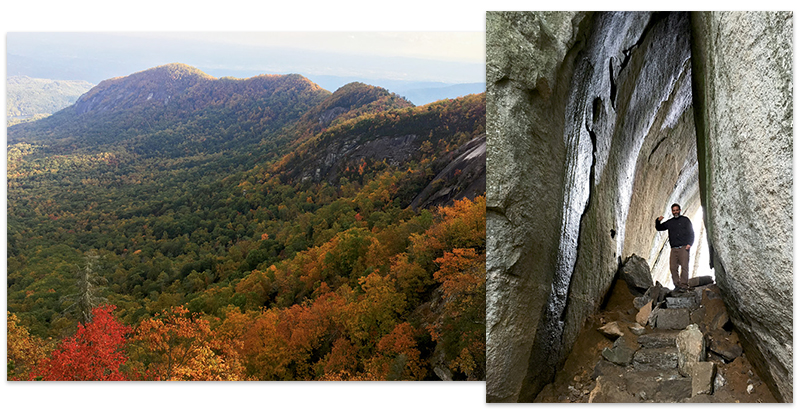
<point>594,128</point>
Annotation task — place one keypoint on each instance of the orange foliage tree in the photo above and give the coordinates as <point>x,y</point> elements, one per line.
<point>177,345</point>
<point>24,350</point>
<point>461,328</point>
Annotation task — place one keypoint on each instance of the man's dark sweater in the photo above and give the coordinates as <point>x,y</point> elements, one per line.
<point>680,229</point>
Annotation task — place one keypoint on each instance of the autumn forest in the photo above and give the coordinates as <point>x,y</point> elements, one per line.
<point>175,226</point>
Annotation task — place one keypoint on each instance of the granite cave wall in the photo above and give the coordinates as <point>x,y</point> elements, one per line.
<point>597,123</point>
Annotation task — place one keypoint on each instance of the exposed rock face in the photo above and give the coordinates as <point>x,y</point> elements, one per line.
<point>743,105</point>
<point>464,176</point>
<point>528,77</point>
<point>592,135</point>
<point>571,142</point>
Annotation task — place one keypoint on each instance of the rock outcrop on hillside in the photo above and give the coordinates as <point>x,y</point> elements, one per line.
<point>463,177</point>
<point>743,75</point>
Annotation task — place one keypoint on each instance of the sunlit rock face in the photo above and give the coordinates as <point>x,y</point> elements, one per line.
<point>637,110</point>
<point>578,151</point>
<point>743,81</point>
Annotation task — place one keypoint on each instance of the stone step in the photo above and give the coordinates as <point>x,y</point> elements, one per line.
<point>649,359</point>
<point>685,301</point>
<point>671,318</point>
<point>658,339</point>
<point>702,280</point>
<point>665,386</point>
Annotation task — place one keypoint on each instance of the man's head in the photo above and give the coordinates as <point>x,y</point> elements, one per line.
<point>676,210</point>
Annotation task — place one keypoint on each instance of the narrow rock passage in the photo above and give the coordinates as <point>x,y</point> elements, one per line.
<point>655,345</point>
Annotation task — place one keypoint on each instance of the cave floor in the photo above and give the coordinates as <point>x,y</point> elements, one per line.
<point>586,375</point>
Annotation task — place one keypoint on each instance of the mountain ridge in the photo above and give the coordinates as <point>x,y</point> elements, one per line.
<point>211,203</point>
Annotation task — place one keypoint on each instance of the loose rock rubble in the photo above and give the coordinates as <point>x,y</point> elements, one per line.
<point>659,346</point>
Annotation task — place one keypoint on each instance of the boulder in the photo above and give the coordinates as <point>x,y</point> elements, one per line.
<point>674,389</point>
<point>657,386</point>
<point>719,382</point>
<point>654,294</point>
<point>691,349</point>
<point>697,317</point>
<point>607,368</point>
<point>526,89</point>
<point>639,302</point>
<point>636,273</point>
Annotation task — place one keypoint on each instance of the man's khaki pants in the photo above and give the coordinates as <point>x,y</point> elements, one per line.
<point>679,257</point>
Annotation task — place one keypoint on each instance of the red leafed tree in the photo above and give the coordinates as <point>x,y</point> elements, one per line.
<point>95,352</point>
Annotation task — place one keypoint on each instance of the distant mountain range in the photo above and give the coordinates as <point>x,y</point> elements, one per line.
<point>335,226</point>
<point>27,97</point>
<point>419,93</point>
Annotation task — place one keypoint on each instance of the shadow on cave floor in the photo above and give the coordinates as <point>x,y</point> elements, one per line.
<point>641,365</point>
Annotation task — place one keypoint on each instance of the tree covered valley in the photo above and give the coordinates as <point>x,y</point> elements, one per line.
<point>170,225</point>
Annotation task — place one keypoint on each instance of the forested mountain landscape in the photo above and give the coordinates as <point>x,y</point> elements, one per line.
<point>170,225</point>
<point>30,98</point>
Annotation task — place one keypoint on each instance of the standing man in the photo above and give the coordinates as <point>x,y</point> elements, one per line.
<point>681,238</point>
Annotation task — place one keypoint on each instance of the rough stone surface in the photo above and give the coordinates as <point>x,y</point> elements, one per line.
<point>607,390</point>
<point>658,339</point>
<point>464,176</point>
<point>606,368</point>
<point>576,104</point>
<point>719,382</point>
<point>591,135</point>
<point>611,330</point>
<point>674,390</point>
<point>742,78</point>
<point>699,281</point>
<point>655,294</point>
<point>662,386</point>
<point>527,84</point>
<point>702,374</point>
<point>637,329</point>
<point>636,273</point>
<point>643,315</point>
<point>691,349</point>
<point>725,345</point>
<point>682,302</point>
<point>622,352</point>
<point>655,359</point>
<point>673,318</point>
<point>715,315</point>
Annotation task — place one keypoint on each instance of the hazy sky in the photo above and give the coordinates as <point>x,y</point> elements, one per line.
<point>450,57</point>
<point>448,46</point>
<point>409,40</point>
